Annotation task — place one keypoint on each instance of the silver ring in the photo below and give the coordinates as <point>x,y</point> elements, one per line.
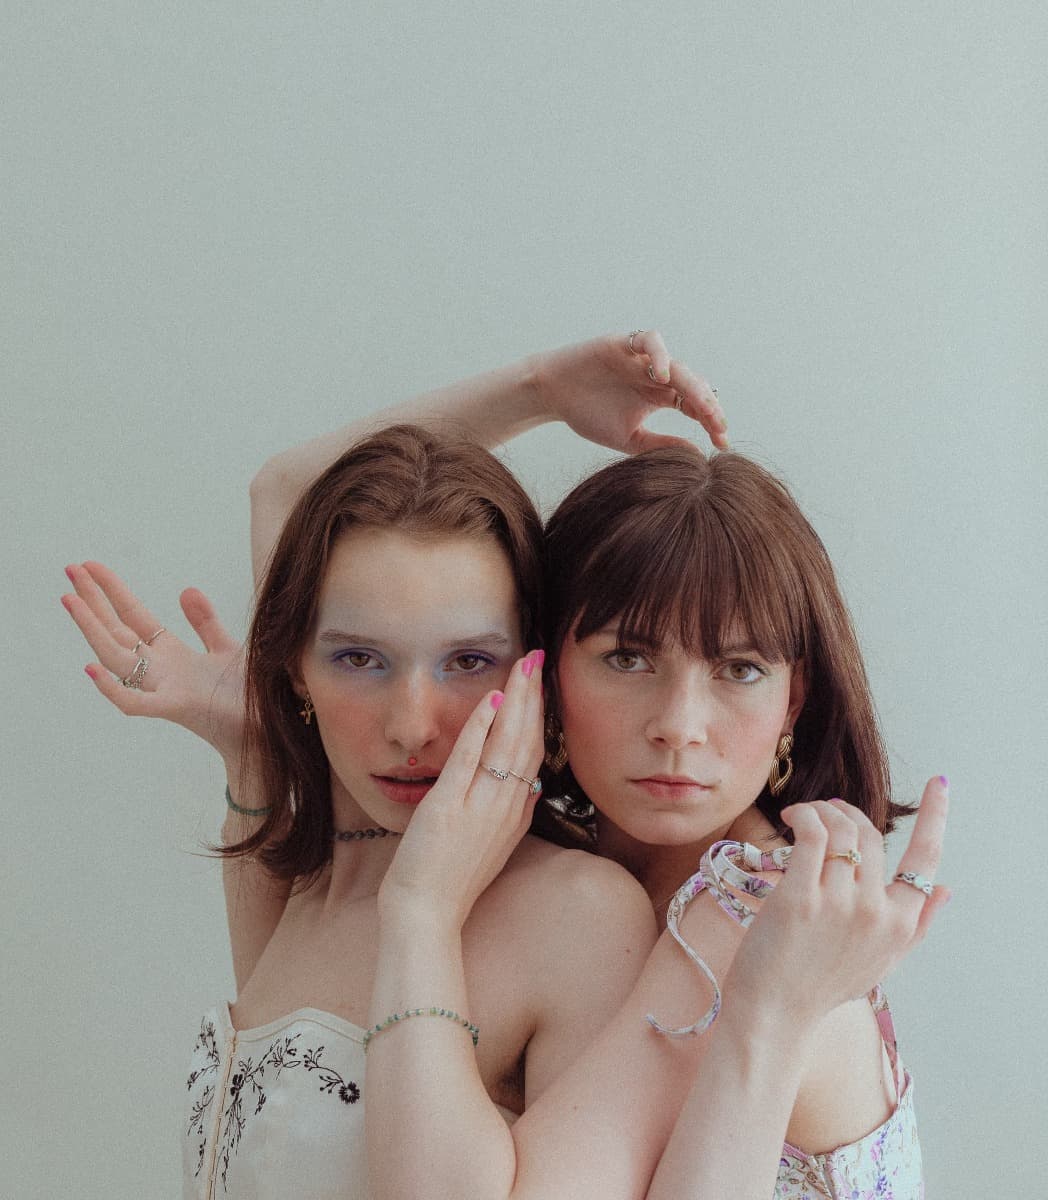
<point>678,402</point>
<point>851,856</point>
<point>147,641</point>
<point>715,392</point>
<point>134,679</point>
<point>534,785</point>
<point>915,881</point>
<point>629,341</point>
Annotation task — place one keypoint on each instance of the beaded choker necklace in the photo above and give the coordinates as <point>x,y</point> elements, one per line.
<point>359,835</point>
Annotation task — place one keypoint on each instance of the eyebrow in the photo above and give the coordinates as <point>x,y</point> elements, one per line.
<point>490,640</point>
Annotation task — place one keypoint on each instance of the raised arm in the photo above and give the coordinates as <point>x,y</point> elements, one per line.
<point>202,692</point>
<point>603,389</point>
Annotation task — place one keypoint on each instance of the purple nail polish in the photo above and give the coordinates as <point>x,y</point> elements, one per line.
<point>944,781</point>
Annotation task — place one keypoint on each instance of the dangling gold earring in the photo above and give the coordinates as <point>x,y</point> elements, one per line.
<point>556,750</point>
<point>782,767</point>
<point>307,711</point>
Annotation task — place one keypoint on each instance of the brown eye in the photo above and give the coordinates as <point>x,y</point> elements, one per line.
<point>469,664</point>
<point>743,672</point>
<point>626,661</point>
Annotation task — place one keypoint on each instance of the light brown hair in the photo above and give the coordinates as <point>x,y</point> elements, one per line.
<point>676,546</point>
<point>406,478</point>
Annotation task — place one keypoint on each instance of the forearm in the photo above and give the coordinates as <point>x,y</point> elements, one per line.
<point>491,408</point>
<point>728,1138</point>
<point>422,1076</point>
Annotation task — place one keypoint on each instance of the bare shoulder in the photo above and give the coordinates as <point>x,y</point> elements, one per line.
<point>551,881</point>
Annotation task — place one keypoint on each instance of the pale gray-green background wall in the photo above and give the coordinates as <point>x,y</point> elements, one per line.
<point>230,226</point>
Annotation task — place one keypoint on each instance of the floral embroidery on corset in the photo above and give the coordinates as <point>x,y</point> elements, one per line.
<point>282,1055</point>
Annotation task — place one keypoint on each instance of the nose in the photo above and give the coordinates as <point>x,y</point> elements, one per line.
<point>683,714</point>
<point>413,713</point>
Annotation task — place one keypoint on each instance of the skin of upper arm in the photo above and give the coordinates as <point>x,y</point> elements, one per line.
<point>598,1131</point>
<point>595,936</point>
<point>255,902</point>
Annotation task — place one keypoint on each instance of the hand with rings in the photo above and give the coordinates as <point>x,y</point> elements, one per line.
<point>833,928</point>
<point>607,388</point>
<point>144,670</point>
<point>473,818</point>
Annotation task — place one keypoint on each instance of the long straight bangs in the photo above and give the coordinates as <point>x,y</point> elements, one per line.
<point>669,547</point>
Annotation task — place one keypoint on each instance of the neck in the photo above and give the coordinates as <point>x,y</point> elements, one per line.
<point>358,866</point>
<point>662,868</point>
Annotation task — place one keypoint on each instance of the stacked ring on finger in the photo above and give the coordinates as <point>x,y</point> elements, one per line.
<point>678,402</point>
<point>851,856</point>
<point>920,882</point>
<point>502,773</point>
<point>629,341</point>
<point>134,678</point>
<point>147,641</point>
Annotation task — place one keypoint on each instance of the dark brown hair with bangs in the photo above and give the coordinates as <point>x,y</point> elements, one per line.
<point>405,478</point>
<point>677,547</point>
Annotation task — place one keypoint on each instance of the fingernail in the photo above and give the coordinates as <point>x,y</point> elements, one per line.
<point>90,672</point>
<point>69,574</point>
<point>837,800</point>
<point>65,603</point>
<point>539,657</point>
<point>944,781</point>
<point>496,700</point>
<point>527,666</point>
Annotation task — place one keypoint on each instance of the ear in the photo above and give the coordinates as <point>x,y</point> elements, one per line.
<point>298,684</point>
<point>798,694</point>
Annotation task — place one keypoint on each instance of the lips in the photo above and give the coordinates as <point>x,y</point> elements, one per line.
<point>673,787</point>
<point>407,785</point>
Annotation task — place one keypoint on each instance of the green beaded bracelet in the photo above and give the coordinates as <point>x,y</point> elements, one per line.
<point>246,812</point>
<point>423,1012</point>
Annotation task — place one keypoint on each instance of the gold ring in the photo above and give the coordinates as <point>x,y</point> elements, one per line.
<point>851,856</point>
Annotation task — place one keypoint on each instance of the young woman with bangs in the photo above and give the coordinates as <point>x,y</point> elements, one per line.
<point>678,679</point>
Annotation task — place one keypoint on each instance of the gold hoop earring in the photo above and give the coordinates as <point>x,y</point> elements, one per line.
<point>556,750</point>
<point>782,767</point>
<point>307,711</point>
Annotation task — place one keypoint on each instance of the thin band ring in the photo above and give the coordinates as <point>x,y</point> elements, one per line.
<point>920,882</point>
<point>678,402</point>
<point>134,678</point>
<point>629,341</point>
<point>850,856</point>
<point>501,774</point>
<point>147,641</point>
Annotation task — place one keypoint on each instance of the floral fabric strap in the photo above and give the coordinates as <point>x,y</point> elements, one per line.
<point>718,868</point>
<point>434,1011</point>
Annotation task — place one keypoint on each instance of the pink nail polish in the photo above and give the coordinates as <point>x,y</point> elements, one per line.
<point>69,574</point>
<point>527,666</point>
<point>89,672</point>
<point>539,656</point>
<point>65,603</point>
<point>496,700</point>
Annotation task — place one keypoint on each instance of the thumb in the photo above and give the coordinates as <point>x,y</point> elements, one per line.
<point>202,616</point>
<point>644,439</point>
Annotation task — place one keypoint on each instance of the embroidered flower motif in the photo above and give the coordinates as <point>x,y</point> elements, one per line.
<point>247,1084</point>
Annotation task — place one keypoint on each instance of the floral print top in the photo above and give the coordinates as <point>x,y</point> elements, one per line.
<point>883,1165</point>
<point>275,1111</point>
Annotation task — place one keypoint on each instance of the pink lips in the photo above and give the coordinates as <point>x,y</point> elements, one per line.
<point>672,787</point>
<point>407,785</point>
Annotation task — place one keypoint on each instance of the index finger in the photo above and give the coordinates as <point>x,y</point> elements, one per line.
<point>126,604</point>
<point>922,855</point>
